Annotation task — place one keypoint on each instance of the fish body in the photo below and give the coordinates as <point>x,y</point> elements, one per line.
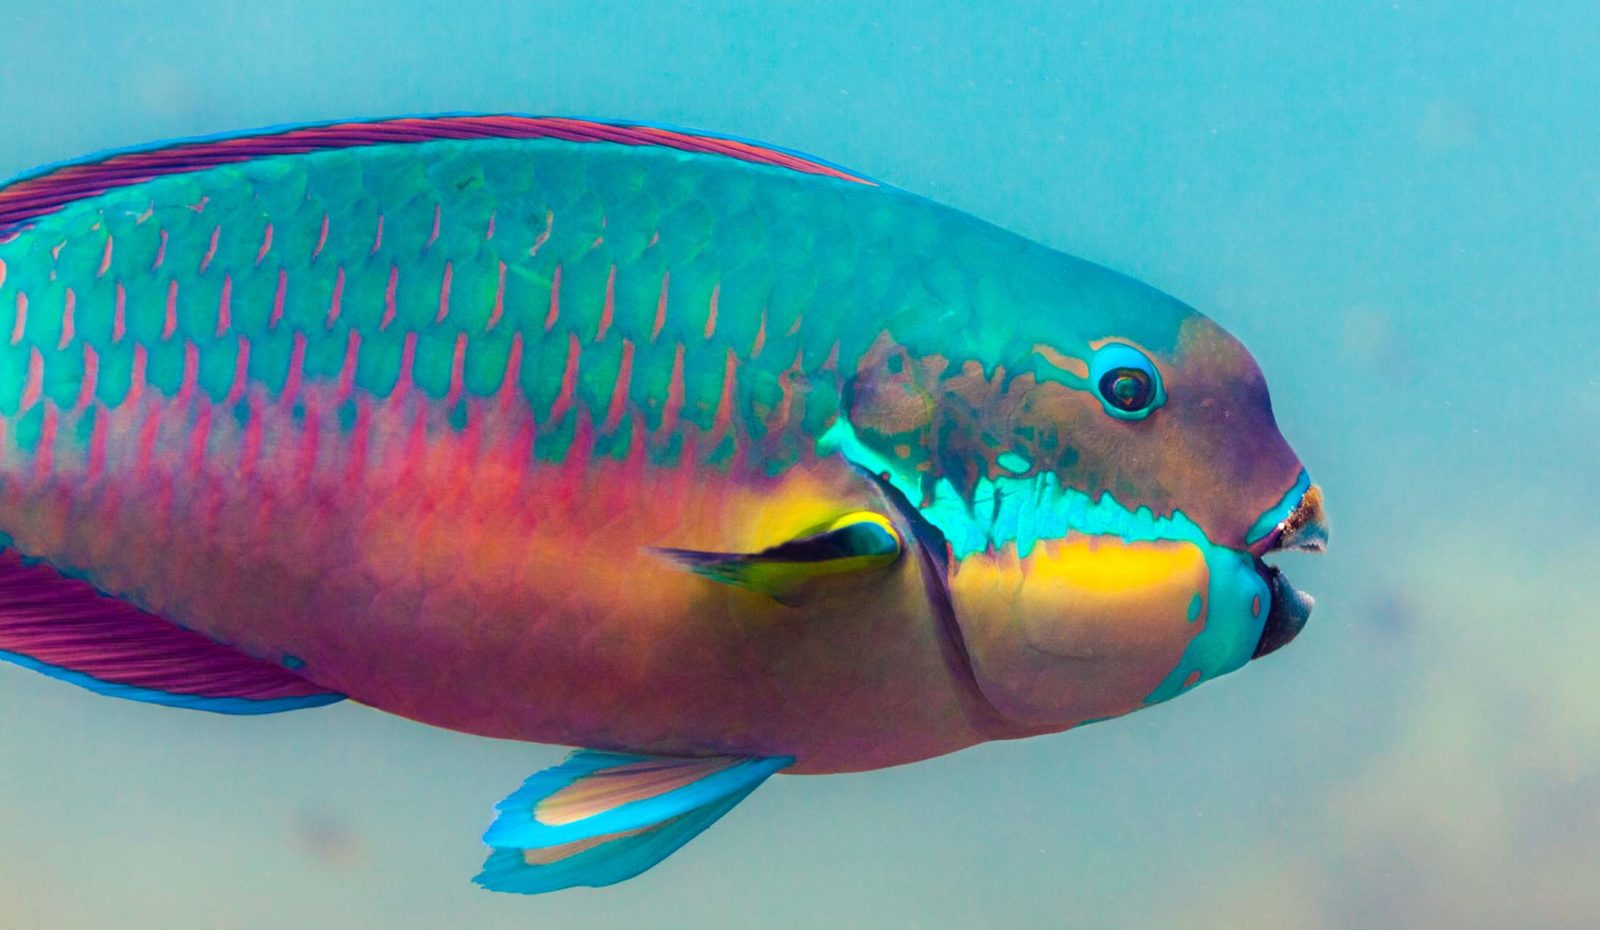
<point>653,443</point>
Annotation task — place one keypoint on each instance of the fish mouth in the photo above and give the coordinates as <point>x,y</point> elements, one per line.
<point>1305,529</point>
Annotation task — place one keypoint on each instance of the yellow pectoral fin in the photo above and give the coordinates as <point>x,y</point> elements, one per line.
<point>853,544</point>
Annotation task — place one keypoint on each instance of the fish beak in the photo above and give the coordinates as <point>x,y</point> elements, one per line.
<point>1306,527</point>
<point>1291,609</point>
<point>1304,530</point>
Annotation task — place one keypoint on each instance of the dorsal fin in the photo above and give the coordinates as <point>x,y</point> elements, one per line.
<point>66,629</point>
<point>49,189</point>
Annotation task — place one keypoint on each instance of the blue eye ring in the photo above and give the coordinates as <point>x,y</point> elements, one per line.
<point>1126,381</point>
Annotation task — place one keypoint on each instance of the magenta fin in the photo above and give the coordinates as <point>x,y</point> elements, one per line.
<point>52,188</point>
<point>67,629</point>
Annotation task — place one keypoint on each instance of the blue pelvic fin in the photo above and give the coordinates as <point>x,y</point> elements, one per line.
<point>599,818</point>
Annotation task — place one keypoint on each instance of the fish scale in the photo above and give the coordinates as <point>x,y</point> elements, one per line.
<point>709,457</point>
<point>184,218</point>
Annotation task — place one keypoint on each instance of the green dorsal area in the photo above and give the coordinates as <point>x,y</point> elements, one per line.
<point>603,264</point>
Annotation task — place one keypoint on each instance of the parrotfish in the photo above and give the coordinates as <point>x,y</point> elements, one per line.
<point>706,457</point>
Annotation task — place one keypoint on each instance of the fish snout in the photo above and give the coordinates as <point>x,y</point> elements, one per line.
<point>1305,529</point>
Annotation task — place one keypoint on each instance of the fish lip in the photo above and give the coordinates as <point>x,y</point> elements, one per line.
<point>1305,529</point>
<point>1286,617</point>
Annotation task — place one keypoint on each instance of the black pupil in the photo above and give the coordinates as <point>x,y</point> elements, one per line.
<point>1126,388</point>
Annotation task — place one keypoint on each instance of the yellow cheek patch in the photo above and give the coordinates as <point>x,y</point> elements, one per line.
<point>1083,627</point>
<point>1093,596</point>
<point>1088,596</point>
<point>1112,566</point>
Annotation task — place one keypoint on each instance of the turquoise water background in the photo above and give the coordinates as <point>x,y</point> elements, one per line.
<point>1395,205</point>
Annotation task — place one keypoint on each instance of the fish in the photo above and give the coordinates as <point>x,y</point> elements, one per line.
<point>707,458</point>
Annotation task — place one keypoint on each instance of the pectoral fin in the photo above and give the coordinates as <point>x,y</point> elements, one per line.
<point>855,543</point>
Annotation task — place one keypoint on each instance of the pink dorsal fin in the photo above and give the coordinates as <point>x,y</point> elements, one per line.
<point>67,629</point>
<point>45,192</point>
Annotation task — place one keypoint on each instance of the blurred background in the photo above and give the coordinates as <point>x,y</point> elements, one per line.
<point>1395,205</point>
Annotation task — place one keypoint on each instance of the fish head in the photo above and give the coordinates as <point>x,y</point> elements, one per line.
<point>1102,497</point>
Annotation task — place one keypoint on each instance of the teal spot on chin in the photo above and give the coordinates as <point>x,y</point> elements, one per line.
<point>1013,462</point>
<point>293,663</point>
<point>1194,607</point>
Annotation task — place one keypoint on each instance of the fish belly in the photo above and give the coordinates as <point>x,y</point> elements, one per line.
<point>456,586</point>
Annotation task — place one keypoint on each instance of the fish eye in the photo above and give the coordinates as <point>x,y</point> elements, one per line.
<point>1127,389</point>
<point>1127,381</point>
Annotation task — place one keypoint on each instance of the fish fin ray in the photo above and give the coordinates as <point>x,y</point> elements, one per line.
<point>600,818</point>
<point>68,630</point>
<point>48,189</point>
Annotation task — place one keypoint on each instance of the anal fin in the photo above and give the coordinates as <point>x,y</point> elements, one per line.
<point>65,628</point>
<point>600,818</point>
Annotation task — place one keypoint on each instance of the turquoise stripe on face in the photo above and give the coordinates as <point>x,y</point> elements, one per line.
<point>1020,511</point>
<point>232,706</point>
<point>1278,512</point>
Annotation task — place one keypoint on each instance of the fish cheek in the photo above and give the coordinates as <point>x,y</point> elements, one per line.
<point>1081,628</point>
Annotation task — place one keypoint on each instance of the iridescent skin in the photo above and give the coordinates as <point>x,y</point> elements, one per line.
<point>407,418</point>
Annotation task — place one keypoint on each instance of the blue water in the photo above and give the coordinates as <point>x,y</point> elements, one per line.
<point>1396,205</point>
